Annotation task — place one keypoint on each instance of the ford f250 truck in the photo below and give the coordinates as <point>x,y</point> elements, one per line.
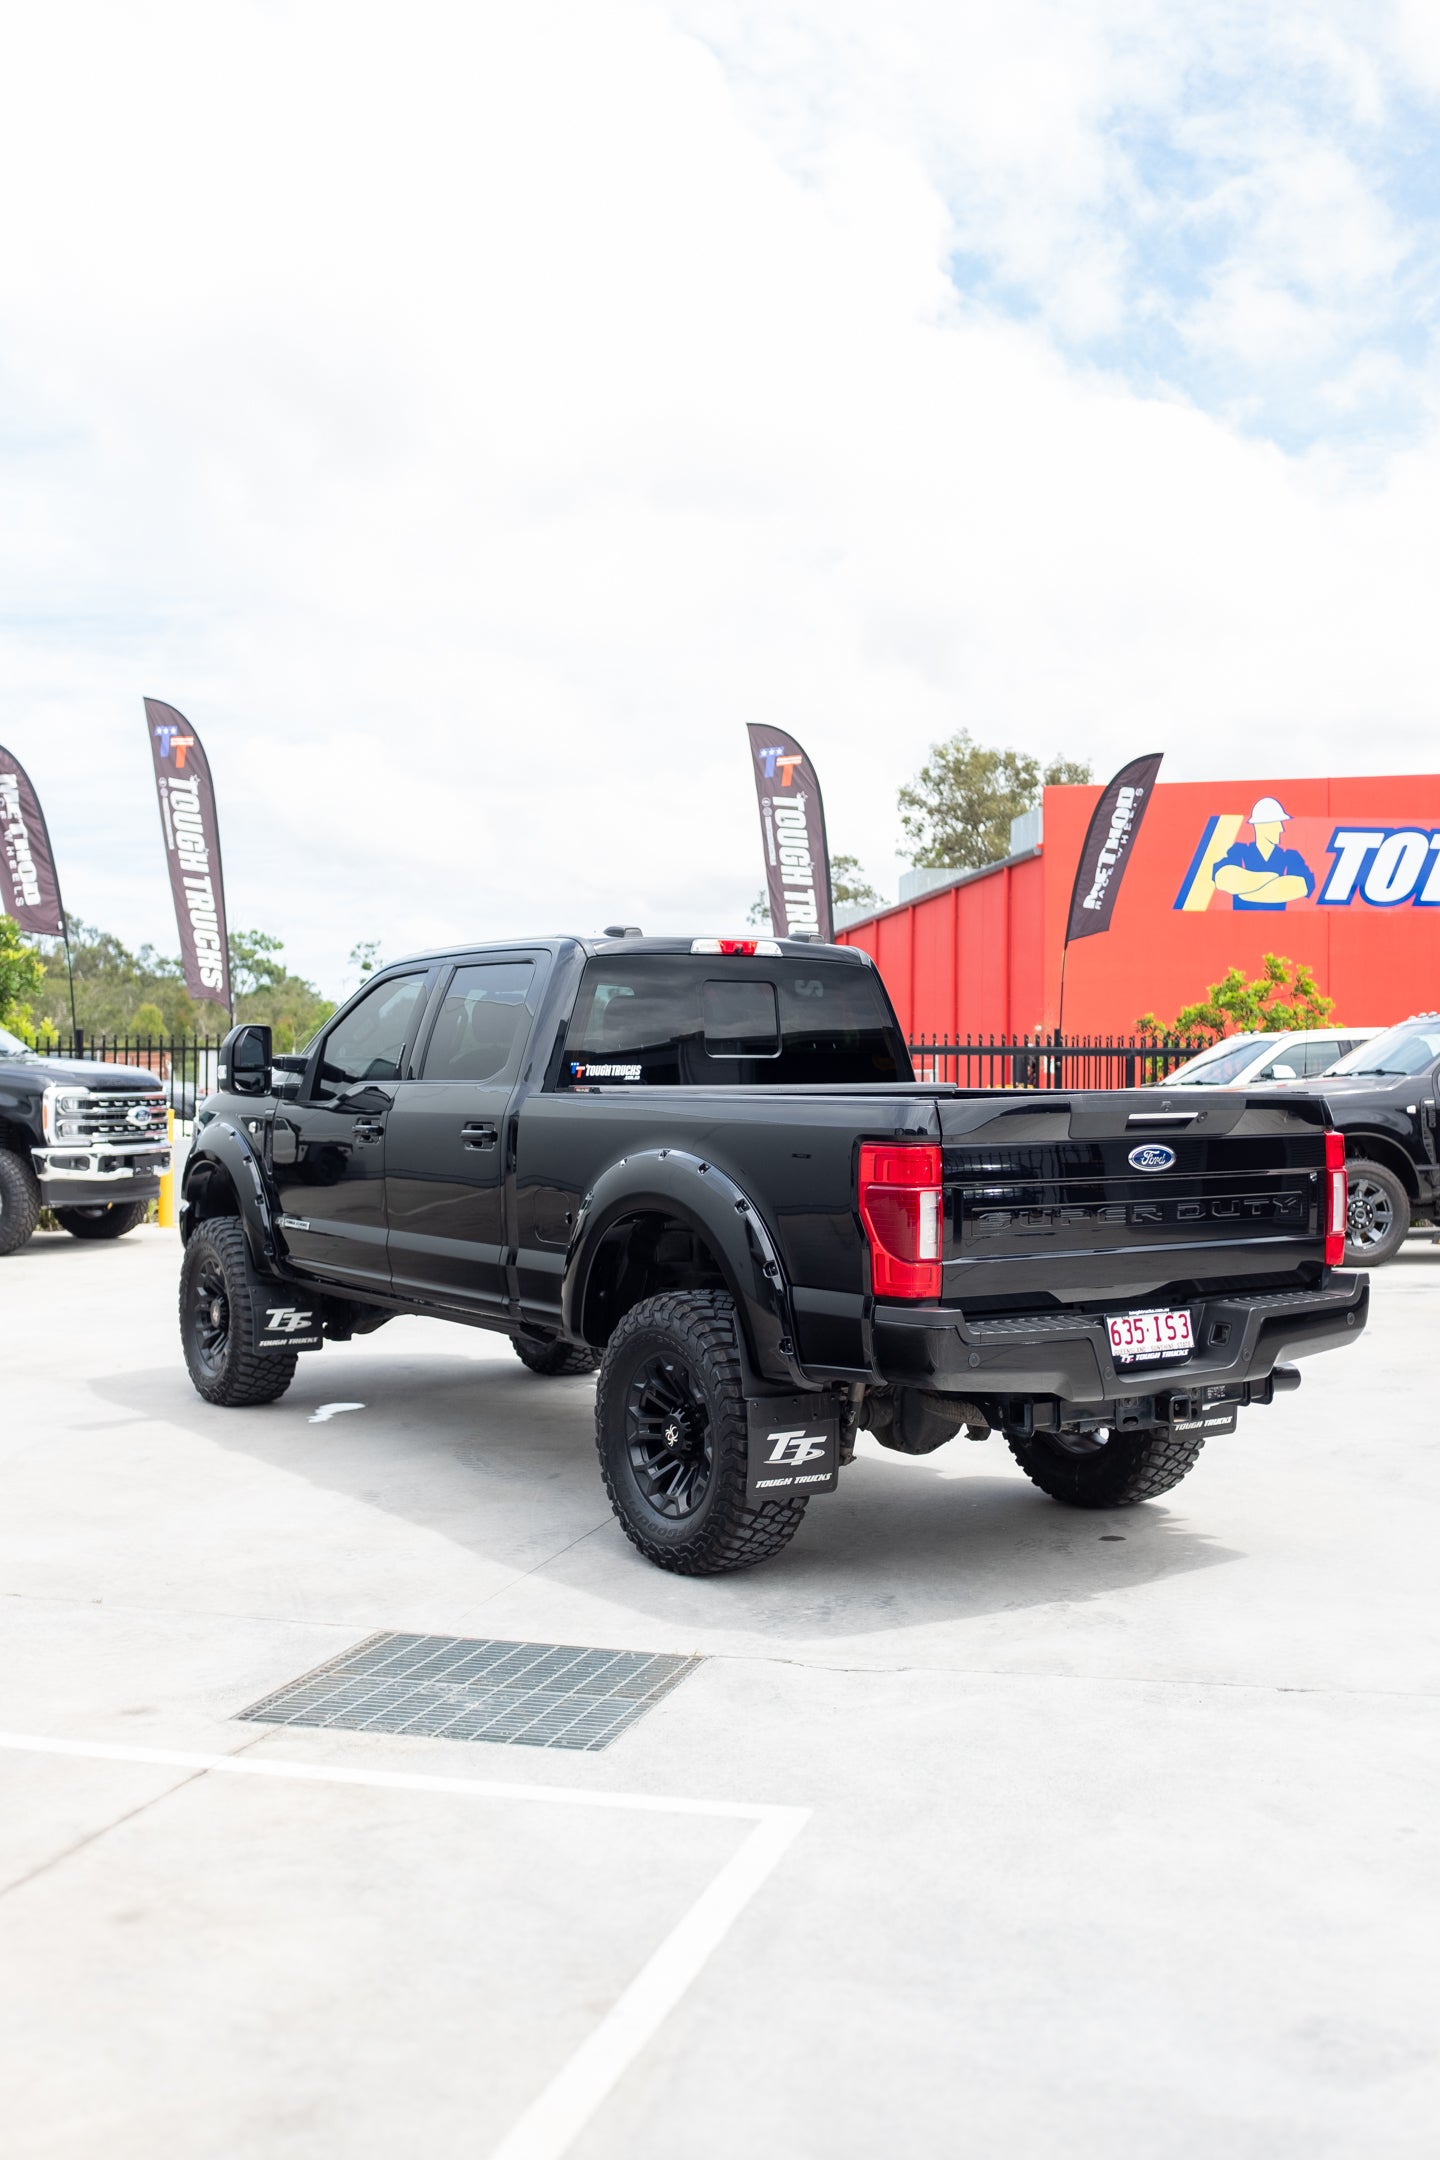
<point>703,1166</point>
<point>89,1141</point>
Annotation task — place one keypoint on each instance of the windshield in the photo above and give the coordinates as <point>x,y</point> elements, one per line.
<point>1409,1048</point>
<point>1214,1069</point>
<point>16,1052</point>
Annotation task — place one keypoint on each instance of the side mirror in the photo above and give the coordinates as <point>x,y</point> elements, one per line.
<point>1282,1072</point>
<point>243,1067</point>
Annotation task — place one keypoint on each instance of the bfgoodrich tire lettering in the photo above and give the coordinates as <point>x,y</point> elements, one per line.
<point>1119,1472</point>
<point>672,1366</point>
<point>112,1219</point>
<point>217,1325</point>
<point>19,1202</point>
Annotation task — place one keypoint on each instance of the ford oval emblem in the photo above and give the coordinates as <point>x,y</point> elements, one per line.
<point>1152,1157</point>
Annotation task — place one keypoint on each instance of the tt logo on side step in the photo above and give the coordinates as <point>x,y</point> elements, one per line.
<point>795,1448</point>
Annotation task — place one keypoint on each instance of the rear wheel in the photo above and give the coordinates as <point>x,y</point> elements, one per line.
<point>1378,1219</point>
<point>217,1324</point>
<point>672,1432</point>
<point>1086,1470</point>
<point>110,1220</point>
<point>19,1202</point>
<point>553,1360</point>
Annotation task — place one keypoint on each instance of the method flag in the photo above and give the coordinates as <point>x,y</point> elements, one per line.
<point>29,887</point>
<point>792,820</point>
<point>1109,842</point>
<point>192,848</point>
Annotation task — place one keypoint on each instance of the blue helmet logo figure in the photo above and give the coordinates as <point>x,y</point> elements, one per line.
<point>1153,1156</point>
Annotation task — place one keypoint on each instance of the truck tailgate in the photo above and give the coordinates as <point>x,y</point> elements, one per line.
<point>1088,1194</point>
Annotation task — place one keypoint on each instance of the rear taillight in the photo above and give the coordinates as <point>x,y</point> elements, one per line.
<point>1337,1199</point>
<point>902,1205</point>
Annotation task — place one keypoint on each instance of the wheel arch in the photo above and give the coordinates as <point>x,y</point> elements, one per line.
<point>616,1256</point>
<point>1368,1146</point>
<point>223,1177</point>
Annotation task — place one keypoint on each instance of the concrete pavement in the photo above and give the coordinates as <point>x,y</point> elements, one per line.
<point>1122,1830</point>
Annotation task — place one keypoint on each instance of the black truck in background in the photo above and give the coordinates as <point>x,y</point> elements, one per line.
<point>1385,1099</point>
<point>89,1141</point>
<point>703,1166</point>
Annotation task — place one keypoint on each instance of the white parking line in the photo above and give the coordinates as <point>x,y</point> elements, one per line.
<point>552,2122</point>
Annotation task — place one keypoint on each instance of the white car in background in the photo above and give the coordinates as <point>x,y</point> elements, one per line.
<point>1251,1059</point>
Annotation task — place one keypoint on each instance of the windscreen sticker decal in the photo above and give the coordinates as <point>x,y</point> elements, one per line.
<point>604,1072</point>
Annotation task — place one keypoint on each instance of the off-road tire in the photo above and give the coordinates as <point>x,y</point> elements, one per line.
<point>1380,1202</point>
<point>1130,1467</point>
<point>19,1202</point>
<point>694,1331</point>
<point>106,1221</point>
<point>554,1360</point>
<point>223,1361</point>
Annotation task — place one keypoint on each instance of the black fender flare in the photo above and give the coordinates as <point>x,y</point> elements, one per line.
<point>222,1149</point>
<point>671,1181</point>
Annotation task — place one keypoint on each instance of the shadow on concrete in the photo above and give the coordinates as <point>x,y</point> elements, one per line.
<point>503,1464</point>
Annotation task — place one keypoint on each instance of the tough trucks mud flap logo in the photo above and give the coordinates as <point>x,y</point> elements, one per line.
<point>793,1453</point>
<point>282,1323</point>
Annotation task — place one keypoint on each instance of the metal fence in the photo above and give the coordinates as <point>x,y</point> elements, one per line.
<point>184,1064</point>
<point>1050,1061</point>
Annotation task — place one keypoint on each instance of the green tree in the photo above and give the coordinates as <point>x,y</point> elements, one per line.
<point>956,812</point>
<point>22,976</point>
<point>254,961</point>
<point>849,887</point>
<point>364,957</point>
<point>1282,997</point>
<point>147,1019</point>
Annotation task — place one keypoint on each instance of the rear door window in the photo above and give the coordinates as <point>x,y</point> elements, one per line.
<point>483,1024</point>
<point>661,1020</point>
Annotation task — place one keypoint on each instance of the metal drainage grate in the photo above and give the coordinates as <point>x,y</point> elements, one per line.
<point>523,1694</point>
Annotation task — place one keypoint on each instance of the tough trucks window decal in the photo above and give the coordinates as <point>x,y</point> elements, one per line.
<point>792,1452</point>
<point>604,1072</point>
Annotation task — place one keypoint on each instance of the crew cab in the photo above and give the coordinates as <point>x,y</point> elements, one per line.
<point>704,1167</point>
<point>88,1140</point>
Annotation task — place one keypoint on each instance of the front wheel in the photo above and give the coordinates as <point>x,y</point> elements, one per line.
<point>1117,1471</point>
<point>672,1430</point>
<point>112,1219</point>
<point>217,1321</point>
<point>19,1202</point>
<point>1378,1219</point>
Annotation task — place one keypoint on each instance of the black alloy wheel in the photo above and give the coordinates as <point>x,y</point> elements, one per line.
<point>672,1433</point>
<point>667,1433</point>
<point>217,1321</point>
<point>1378,1217</point>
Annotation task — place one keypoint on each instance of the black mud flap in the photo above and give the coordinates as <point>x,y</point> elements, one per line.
<point>794,1447</point>
<point>1200,1420</point>
<point>284,1321</point>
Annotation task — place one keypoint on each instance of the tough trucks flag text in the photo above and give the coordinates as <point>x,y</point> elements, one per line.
<point>1111,836</point>
<point>29,887</point>
<point>792,819</point>
<point>192,847</point>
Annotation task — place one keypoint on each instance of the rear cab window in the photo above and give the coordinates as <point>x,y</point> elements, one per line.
<point>684,1020</point>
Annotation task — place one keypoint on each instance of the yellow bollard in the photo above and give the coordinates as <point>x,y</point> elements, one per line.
<point>167,1183</point>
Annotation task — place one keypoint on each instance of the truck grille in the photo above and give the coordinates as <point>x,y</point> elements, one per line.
<point>120,1114</point>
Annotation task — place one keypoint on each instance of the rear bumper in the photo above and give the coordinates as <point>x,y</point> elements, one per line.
<point>1240,1337</point>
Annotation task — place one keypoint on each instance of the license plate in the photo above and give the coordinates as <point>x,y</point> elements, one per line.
<point>1163,1333</point>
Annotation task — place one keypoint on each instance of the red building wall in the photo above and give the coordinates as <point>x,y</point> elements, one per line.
<point>984,958</point>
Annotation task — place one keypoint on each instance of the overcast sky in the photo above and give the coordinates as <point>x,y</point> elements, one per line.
<point>471,415</point>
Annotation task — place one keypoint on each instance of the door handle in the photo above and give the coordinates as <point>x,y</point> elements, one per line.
<point>479,1136</point>
<point>369,1128</point>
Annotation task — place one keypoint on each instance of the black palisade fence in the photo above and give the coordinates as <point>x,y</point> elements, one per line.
<point>1049,1061</point>
<point>183,1064</point>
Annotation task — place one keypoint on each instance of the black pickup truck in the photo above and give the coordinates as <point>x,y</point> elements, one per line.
<point>89,1141</point>
<point>1385,1100</point>
<point>703,1166</point>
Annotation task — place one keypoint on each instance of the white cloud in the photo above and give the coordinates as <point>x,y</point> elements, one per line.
<point>472,417</point>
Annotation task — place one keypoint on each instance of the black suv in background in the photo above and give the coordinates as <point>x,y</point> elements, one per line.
<point>1385,1098</point>
<point>87,1140</point>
